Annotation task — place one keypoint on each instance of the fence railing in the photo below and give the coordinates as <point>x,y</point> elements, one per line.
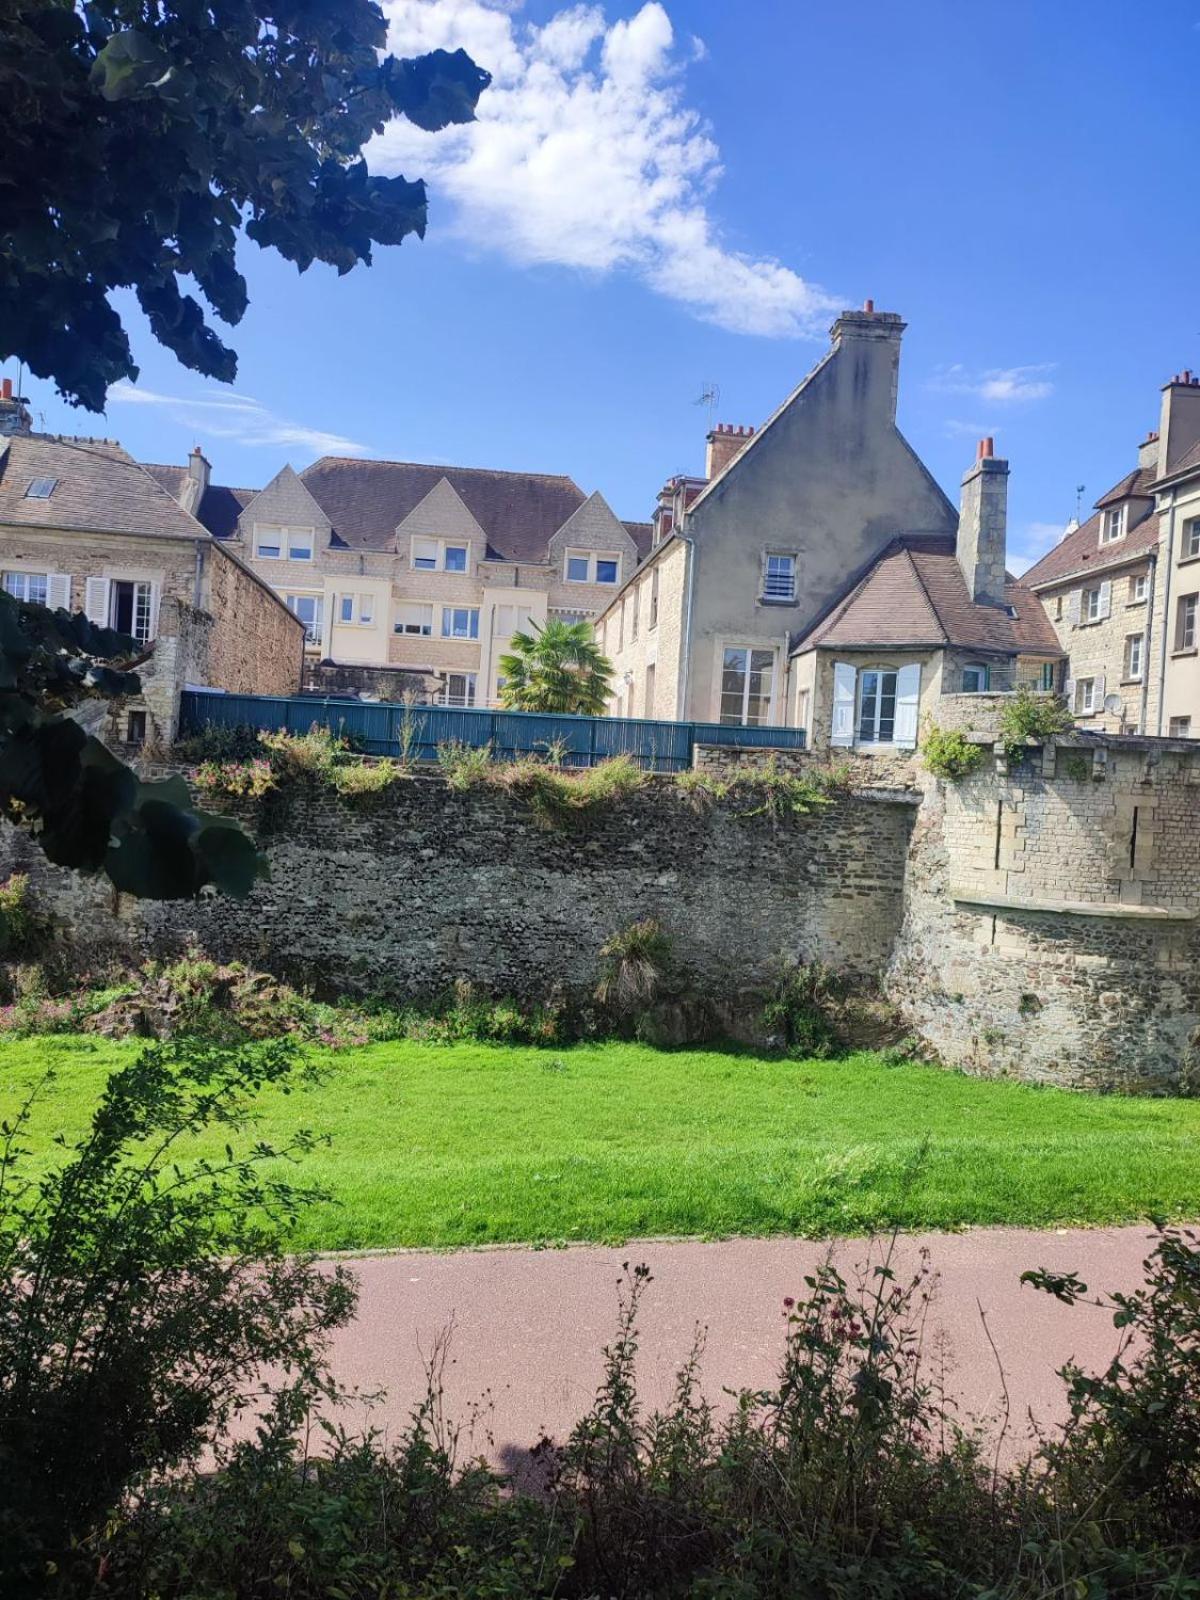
<point>416,731</point>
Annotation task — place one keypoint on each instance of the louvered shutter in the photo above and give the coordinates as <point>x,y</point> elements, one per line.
<point>1105,600</point>
<point>908,693</point>
<point>95,601</point>
<point>845,680</point>
<point>58,591</point>
<point>1074,605</point>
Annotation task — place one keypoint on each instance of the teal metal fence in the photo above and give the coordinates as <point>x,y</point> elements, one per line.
<point>416,731</point>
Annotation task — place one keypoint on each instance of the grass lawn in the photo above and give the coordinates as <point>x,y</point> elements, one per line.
<point>469,1144</point>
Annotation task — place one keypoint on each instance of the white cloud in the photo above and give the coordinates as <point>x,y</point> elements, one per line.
<point>1006,385</point>
<point>235,416</point>
<point>585,154</point>
<point>1032,543</point>
<point>956,428</point>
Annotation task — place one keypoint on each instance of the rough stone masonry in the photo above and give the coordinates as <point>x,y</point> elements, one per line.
<point>1039,922</point>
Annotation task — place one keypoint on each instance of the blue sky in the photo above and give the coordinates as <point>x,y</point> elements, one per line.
<point>661,196</point>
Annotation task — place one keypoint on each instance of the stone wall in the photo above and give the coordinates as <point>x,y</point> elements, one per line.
<point>430,885</point>
<point>256,645</point>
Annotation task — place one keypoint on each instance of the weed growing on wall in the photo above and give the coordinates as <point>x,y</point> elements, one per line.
<point>1032,716</point>
<point>464,766</point>
<point>243,779</point>
<point>23,928</point>
<point>948,753</point>
<point>635,961</point>
<point>769,790</point>
<point>797,1007</point>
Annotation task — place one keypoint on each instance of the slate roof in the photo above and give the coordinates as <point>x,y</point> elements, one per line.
<point>914,596</point>
<point>99,488</point>
<point>1081,552</point>
<point>219,509</point>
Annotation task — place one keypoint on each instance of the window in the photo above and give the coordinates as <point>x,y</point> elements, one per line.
<point>458,689</point>
<point>975,678</point>
<point>779,577</point>
<point>1185,622</point>
<point>310,610</point>
<point>1058,608</point>
<point>1113,526</point>
<point>130,608</point>
<point>1191,539</point>
<point>802,708</point>
<point>347,608</point>
<point>1180,728</point>
<point>270,543</point>
<point>460,622</point>
<point>135,728</point>
<point>366,609</point>
<point>40,489</point>
<point>1134,646</point>
<point>747,678</point>
<point>1047,676</point>
<point>650,675</point>
<point>1090,605</point>
<point>356,608</point>
<point>507,620</point>
<point>876,706</point>
<point>654,599</point>
<point>33,587</point>
<point>414,619</point>
<point>1085,696</point>
<point>439,555</point>
<point>1138,589</point>
<point>585,567</point>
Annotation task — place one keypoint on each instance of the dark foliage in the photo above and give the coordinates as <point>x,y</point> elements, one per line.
<point>139,139</point>
<point>88,809</point>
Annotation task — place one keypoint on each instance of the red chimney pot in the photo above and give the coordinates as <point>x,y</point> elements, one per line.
<point>7,389</point>
<point>868,305</point>
<point>986,449</point>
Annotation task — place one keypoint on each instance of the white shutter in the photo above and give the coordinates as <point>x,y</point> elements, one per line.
<point>845,679</point>
<point>95,601</point>
<point>1068,690</point>
<point>1074,604</point>
<point>1105,600</point>
<point>908,693</point>
<point>1098,694</point>
<point>155,596</point>
<point>58,591</point>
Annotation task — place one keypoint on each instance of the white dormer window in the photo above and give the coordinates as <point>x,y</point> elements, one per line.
<point>1113,526</point>
<point>272,543</point>
<point>779,576</point>
<point>588,566</point>
<point>439,555</point>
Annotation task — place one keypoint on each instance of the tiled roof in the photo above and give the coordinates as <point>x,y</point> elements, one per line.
<point>914,595</point>
<point>219,509</point>
<point>99,487</point>
<point>1136,482</point>
<point>641,533</point>
<point>1081,552</point>
<point>519,512</point>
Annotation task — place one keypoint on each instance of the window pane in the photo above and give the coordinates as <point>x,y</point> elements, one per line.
<point>887,706</point>
<point>780,579</point>
<point>869,707</point>
<point>300,547</point>
<point>347,608</point>
<point>758,702</point>
<point>269,547</point>
<point>366,608</point>
<point>606,572</point>
<point>456,558</point>
<point>733,686</point>
<point>577,569</point>
<point>424,554</point>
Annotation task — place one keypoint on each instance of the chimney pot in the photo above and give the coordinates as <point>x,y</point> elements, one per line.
<point>986,449</point>
<point>7,390</point>
<point>868,305</point>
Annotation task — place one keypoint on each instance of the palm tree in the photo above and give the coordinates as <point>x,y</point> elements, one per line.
<point>556,668</point>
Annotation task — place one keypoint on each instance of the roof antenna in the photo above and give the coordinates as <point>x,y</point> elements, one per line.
<point>1079,488</point>
<point>709,396</point>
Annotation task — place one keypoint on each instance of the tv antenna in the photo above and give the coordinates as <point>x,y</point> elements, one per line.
<point>1079,488</point>
<point>709,396</point>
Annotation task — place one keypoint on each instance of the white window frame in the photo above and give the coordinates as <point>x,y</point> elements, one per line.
<point>779,584</point>
<point>466,697</point>
<point>881,673</point>
<point>1174,731</point>
<point>1112,526</point>
<point>1085,697</point>
<point>749,651</point>
<point>285,541</point>
<point>1135,657</point>
<point>18,584</point>
<point>409,626</point>
<point>1089,605</point>
<point>1186,610</point>
<point>522,617</point>
<point>1191,539</point>
<point>428,554</point>
<point>985,672</point>
<point>362,610</point>
<point>1139,589</point>
<point>314,630</point>
<point>593,558</point>
<point>448,629</point>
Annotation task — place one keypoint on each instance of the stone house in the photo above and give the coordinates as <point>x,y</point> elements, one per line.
<point>85,527</point>
<point>1123,588</point>
<point>818,577</point>
<point>417,572</point>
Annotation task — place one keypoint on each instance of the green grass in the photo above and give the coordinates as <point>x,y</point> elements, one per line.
<point>467,1144</point>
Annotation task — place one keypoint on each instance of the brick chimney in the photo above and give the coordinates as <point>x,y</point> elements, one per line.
<point>982,526</point>
<point>191,490</point>
<point>14,414</point>
<point>870,341</point>
<point>1148,452</point>
<point>724,442</point>
<point>1179,428</point>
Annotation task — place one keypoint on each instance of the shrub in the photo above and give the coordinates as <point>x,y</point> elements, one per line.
<point>774,792</point>
<point>24,930</point>
<point>559,799</point>
<point>146,1290</point>
<point>470,1013</point>
<point>635,963</point>
<point>311,755</point>
<point>465,765</point>
<point>1032,716</point>
<point>797,1007</point>
<point>361,782</point>
<point>220,744</point>
<point>249,779</point>
<point>948,753</point>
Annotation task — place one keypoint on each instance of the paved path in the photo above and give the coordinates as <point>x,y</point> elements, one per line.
<point>529,1326</point>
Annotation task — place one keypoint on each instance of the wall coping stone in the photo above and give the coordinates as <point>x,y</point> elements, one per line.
<point>1072,908</point>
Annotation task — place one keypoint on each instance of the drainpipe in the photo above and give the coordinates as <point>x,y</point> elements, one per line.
<point>689,587</point>
<point>1162,655</point>
<point>1152,589</point>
